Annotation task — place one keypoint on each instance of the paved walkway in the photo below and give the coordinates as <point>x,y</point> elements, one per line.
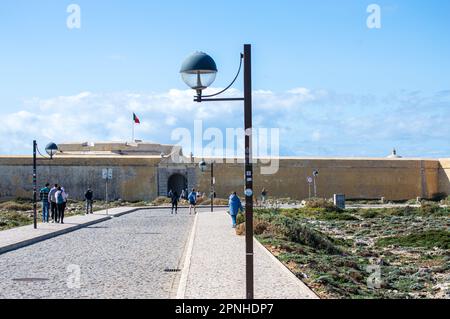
<point>121,258</point>
<point>23,236</point>
<point>216,268</point>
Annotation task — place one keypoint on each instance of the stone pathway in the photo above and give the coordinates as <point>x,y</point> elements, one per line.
<point>121,258</point>
<point>217,266</point>
<point>23,236</point>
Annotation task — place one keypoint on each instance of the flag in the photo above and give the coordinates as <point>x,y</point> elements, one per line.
<point>136,119</point>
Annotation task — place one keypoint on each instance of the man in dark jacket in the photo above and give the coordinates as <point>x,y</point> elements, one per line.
<point>175,198</point>
<point>45,202</point>
<point>89,196</point>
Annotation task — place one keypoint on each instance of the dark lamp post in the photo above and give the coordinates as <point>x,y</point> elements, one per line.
<point>51,150</point>
<point>199,71</point>
<point>203,165</point>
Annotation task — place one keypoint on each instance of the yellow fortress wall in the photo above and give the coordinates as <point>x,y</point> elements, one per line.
<point>137,177</point>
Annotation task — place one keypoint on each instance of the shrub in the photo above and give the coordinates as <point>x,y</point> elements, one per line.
<point>302,234</point>
<point>162,201</point>
<point>18,207</point>
<point>217,202</point>
<point>428,239</point>
<point>370,213</point>
<point>260,227</point>
<point>240,219</point>
<point>429,208</point>
<point>321,203</point>
<point>13,219</point>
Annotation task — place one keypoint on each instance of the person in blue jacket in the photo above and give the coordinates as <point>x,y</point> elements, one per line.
<point>235,207</point>
<point>192,198</point>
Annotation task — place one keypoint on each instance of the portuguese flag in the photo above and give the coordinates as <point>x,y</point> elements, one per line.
<point>136,119</point>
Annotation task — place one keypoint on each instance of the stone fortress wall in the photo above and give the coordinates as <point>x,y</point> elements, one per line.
<point>143,172</point>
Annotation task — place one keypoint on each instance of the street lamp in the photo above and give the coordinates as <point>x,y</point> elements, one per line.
<point>315,174</point>
<point>199,71</point>
<point>203,165</point>
<point>51,150</point>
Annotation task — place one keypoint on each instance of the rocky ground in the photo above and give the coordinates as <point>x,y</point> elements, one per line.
<point>376,253</point>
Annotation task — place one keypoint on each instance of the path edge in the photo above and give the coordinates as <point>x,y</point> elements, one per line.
<point>182,285</point>
<point>286,270</point>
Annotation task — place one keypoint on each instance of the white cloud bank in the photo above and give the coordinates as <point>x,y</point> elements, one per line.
<point>311,122</point>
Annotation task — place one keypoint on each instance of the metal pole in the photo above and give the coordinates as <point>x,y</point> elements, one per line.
<point>212,187</point>
<point>34,185</point>
<point>106,196</point>
<point>248,169</point>
<point>315,187</point>
<point>309,188</point>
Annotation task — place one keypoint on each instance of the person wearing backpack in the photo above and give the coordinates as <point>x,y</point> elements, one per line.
<point>89,196</point>
<point>60,205</point>
<point>52,201</point>
<point>192,198</point>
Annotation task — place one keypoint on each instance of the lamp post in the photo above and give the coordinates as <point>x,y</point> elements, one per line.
<point>315,174</point>
<point>51,150</point>
<point>199,71</point>
<point>203,166</point>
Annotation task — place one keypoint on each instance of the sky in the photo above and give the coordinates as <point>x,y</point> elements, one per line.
<point>327,82</point>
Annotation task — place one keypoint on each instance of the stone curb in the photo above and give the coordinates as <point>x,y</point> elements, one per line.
<point>182,285</point>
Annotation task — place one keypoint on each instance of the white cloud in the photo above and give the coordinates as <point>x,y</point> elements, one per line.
<point>311,122</point>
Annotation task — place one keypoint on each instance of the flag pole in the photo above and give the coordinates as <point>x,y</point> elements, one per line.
<point>132,134</point>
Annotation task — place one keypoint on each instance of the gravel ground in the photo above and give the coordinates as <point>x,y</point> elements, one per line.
<point>121,258</point>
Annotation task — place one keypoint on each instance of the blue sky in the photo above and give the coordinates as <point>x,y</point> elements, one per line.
<point>362,91</point>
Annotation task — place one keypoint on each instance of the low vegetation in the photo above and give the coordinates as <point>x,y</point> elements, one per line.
<point>337,253</point>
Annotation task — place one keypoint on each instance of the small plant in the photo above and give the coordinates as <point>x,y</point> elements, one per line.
<point>428,239</point>
<point>302,234</point>
<point>240,219</point>
<point>321,203</point>
<point>16,206</point>
<point>162,201</point>
<point>429,208</point>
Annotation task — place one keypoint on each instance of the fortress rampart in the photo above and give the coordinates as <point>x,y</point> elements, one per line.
<point>145,177</point>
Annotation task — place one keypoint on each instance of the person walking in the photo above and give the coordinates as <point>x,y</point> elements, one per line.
<point>43,195</point>
<point>65,200</point>
<point>263,196</point>
<point>53,205</point>
<point>192,198</point>
<point>235,208</point>
<point>60,205</point>
<point>89,197</point>
<point>175,198</point>
<point>183,194</point>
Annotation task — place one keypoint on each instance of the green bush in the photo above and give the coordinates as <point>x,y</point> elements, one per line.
<point>18,207</point>
<point>302,234</point>
<point>429,208</point>
<point>428,239</point>
<point>240,218</point>
<point>162,201</point>
<point>14,219</point>
<point>321,203</point>
<point>370,213</point>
